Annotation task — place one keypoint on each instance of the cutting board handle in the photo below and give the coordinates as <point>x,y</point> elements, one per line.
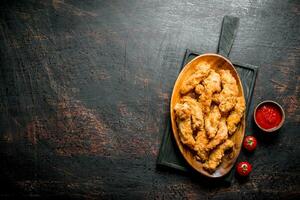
<point>228,32</point>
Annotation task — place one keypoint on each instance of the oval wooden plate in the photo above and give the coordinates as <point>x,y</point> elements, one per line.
<point>216,62</point>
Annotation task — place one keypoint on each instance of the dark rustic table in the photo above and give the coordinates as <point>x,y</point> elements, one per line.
<point>85,87</point>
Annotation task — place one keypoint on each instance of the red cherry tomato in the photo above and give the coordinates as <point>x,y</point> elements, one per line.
<point>250,143</point>
<point>244,168</point>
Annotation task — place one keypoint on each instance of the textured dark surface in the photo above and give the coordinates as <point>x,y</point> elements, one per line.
<point>169,155</point>
<point>84,94</point>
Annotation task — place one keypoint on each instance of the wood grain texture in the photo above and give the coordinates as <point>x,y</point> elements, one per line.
<point>85,89</point>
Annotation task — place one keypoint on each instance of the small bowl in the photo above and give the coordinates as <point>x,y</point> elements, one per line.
<point>282,113</point>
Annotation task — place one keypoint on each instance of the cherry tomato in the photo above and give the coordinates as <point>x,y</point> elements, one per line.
<point>250,143</point>
<point>244,168</point>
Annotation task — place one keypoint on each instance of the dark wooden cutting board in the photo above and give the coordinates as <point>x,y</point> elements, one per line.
<point>169,154</point>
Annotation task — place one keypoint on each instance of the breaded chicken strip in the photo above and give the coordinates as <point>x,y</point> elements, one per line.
<point>221,135</point>
<point>236,115</point>
<point>199,89</point>
<point>227,104</point>
<point>201,73</point>
<point>209,86</point>
<point>216,156</point>
<point>226,77</point>
<point>212,83</point>
<point>197,125</point>
<point>186,132</point>
<point>184,123</point>
<point>204,98</point>
<point>227,97</point>
<point>200,146</point>
<point>212,121</point>
<point>182,111</point>
<point>196,111</point>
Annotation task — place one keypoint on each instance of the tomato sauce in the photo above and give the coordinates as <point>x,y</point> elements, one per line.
<point>268,116</point>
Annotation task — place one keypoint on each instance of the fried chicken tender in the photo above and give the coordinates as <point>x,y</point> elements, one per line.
<point>212,121</point>
<point>184,122</point>
<point>227,104</point>
<point>198,125</point>
<point>227,78</point>
<point>212,83</point>
<point>227,97</point>
<point>186,132</point>
<point>236,115</point>
<point>202,72</point>
<point>199,89</point>
<point>196,111</point>
<point>216,156</point>
<point>209,86</point>
<point>221,136</point>
<point>204,98</point>
<point>182,111</point>
<point>200,146</point>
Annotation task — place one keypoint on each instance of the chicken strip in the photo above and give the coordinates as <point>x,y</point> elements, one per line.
<point>196,111</point>
<point>216,156</point>
<point>186,132</point>
<point>212,83</point>
<point>227,104</point>
<point>216,98</point>
<point>227,97</point>
<point>221,135</point>
<point>236,115</point>
<point>184,123</point>
<point>200,146</point>
<point>226,77</point>
<point>204,98</point>
<point>182,111</point>
<point>198,124</point>
<point>195,78</point>
<point>209,86</point>
<point>212,121</point>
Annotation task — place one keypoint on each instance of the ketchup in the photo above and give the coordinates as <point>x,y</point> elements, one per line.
<point>268,116</point>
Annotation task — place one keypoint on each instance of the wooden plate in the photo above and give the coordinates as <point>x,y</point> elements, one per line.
<point>216,62</point>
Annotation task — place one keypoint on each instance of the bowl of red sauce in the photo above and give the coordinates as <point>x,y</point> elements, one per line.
<point>269,116</point>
